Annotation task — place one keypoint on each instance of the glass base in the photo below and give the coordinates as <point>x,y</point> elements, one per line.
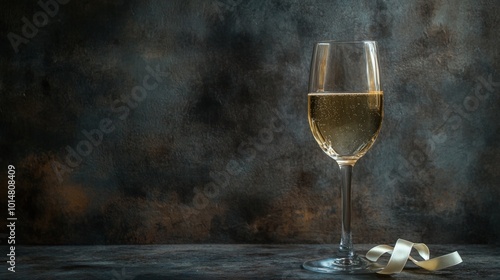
<point>342,265</point>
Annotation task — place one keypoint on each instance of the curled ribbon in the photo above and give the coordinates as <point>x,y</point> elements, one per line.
<point>401,253</point>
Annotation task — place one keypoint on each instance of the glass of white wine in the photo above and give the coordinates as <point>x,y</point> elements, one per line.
<point>345,111</point>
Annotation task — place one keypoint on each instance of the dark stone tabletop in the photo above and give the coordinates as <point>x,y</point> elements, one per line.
<point>217,261</point>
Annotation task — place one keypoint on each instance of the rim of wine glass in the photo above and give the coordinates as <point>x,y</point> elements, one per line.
<point>347,42</point>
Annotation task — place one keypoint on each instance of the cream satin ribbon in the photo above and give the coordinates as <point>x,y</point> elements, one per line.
<point>401,253</point>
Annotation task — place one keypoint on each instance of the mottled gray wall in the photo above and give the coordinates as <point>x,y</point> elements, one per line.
<point>190,120</point>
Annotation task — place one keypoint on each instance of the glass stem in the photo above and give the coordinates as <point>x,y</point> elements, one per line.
<point>346,247</point>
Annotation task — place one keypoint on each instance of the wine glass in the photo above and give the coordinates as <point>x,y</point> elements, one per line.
<point>345,111</point>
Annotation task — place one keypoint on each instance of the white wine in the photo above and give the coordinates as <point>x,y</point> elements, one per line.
<point>345,125</point>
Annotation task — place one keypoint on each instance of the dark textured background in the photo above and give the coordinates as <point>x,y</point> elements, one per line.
<point>220,150</point>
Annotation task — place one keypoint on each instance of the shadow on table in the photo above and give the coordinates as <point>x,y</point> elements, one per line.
<point>296,275</point>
